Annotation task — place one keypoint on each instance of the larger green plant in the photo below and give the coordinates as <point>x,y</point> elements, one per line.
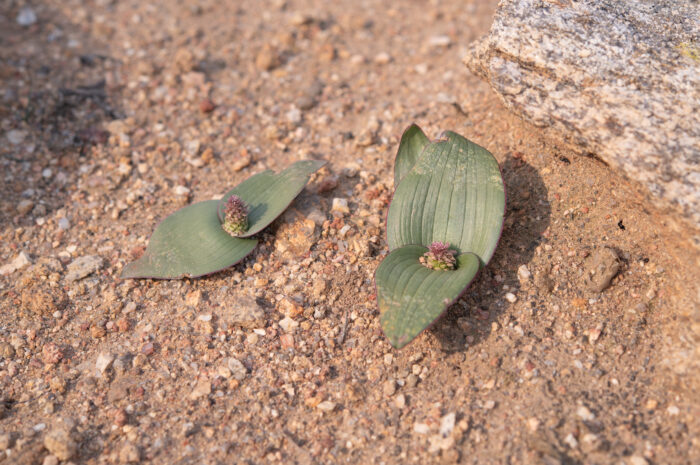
<point>443,225</point>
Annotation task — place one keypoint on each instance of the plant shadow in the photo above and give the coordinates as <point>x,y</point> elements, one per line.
<point>527,216</point>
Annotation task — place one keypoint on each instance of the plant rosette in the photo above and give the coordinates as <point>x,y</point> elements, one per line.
<point>443,225</point>
<point>207,237</point>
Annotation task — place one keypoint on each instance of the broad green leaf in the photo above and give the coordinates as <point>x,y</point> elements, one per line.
<point>189,243</point>
<point>453,194</point>
<point>268,194</point>
<point>411,296</point>
<point>413,141</point>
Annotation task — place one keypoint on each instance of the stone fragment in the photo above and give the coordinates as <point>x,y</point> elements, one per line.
<point>25,206</point>
<point>19,262</point>
<point>382,58</point>
<point>326,406</point>
<point>600,268</point>
<point>15,136</point>
<point>267,58</point>
<point>7,441</point>
<point>242,161</point>
<point>201,389</point>
<point>524,274</point>
<point>288,325</point>
<point>440,41</point>
<point>60,443</point>
<point>104,361</point>
<point>585,414</point>
<point>129,453</point>
<point>244,312</point>
<point>238,370</point>
<point>389,387</point>
<point>340,206</point>
<point>26,17</point>
<point>421,428</point>
<point>82,267</point>
<point>294,239</point>
<point>617,79</point>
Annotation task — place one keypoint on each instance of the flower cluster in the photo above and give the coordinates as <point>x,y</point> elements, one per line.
<point>235,216</point>
<point>439,257</point>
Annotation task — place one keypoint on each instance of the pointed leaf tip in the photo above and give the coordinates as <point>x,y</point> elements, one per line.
<point>411,296</point>
<point>413,141</point>
<point>268,194</point>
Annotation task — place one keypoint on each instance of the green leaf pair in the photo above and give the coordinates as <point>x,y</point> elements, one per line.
<point>192,243</point>
<point>449,191</point>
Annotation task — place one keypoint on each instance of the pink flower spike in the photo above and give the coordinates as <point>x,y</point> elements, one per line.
<point>439,257</point>
<point>235,216</point>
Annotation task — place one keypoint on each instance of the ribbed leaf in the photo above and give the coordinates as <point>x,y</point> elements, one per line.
<point>454,194</point>
<point>413,141</point>
<point>190,242</point>
<point>411,296</point>
<point>268,194</point>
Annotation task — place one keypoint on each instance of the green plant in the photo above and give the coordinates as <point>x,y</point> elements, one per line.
<point>444,223</point>
<point>210,236</point>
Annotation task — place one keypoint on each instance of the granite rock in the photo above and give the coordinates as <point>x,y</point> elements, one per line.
<point>620,80</point>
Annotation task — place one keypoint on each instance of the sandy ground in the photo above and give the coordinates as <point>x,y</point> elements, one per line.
<point>115,114</point>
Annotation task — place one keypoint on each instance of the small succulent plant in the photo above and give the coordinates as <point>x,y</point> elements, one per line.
<point>443,225</point>
<point>209,236</point>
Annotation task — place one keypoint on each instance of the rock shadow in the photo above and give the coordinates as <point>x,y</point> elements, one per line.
<point>527,216</point>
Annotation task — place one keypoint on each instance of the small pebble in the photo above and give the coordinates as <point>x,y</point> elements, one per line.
<point>510,297</point>
<point>238,370</point>
<point>389,387</point>
<point>25,206</point>
<point>447,424</point>
<point>60,443</point>
<point>638,460</point>
<point>288,324</point>
<point>104,361</point>
<point>181,190</point>
<point>340,206</point>
<point>267,58</point>
<point>571,441</point>
<point>585,414</point>
<point>440,41</point>
<point>382,58</point>
<point>129,453</point>
<point>524,274</point>
<point>26,17</point>
<point>206,106</point>
<point>421,428</point>
<point>326,406</point>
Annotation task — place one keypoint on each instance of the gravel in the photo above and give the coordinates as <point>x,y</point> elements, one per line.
<point>116,155</point>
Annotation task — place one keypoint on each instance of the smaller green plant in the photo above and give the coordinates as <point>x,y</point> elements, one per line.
<point>443,226</point>
<point>209,236</point>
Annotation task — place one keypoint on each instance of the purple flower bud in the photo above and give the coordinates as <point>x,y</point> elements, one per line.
<point>439,257</point>
<point>235,216</point>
